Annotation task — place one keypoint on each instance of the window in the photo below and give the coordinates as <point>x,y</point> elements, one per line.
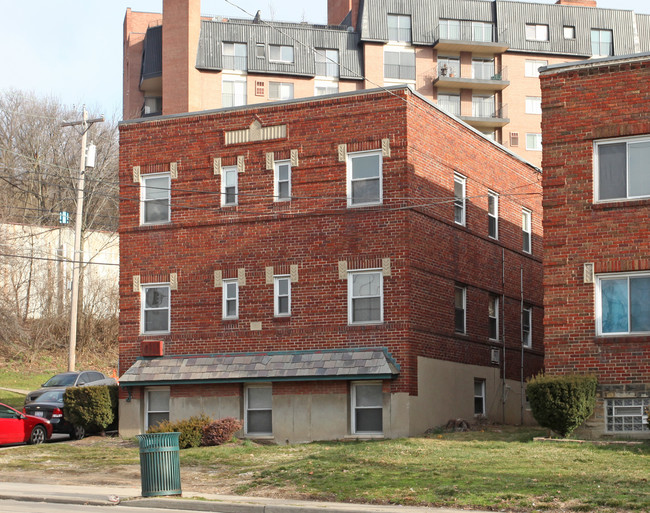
<point>533,104</point>
<point>156,406</point>
<point>569,32</point>
<point>282,181</point>
<point>449,102</point>
<point>532,67</point>
<point>459,198</point>
<point>602,43</point>
<point>229,186</point>
<point>235,56</point>
<point>526,327</point>
<point>493,316</point>
<point>155,191</point>
<point>327,63</point>
<point>280,91</point>
<point>230,299</point>
<point>479,397</point>
<point>483,106</point>
<point>490,134</point>
<point>450,29</point>
<point>281,53</point>
<point>623,303</point>
<point>536,32</point>
<point>482,31</point>
<point>258,410</point>
<point>459,308</point>
<point>322,87</point>
<point>621,169</point>
<point>514,138</point>
<point>155,309</point>
<point>449,66</point>
<point>364,177</point>
<point>483,69</point>
<point>152,105</point>
<point>259,88</point>
<point>534,142</point>
<point>526,218</point>
<point>493,215</point>
<point>367,403</point>
<point>259,50</point>
<point>365,297</point>
<point>399,64</point>
<point>233,91</point>
<point>627,414</point>
<point>399,28</point>
<point>282,295</point>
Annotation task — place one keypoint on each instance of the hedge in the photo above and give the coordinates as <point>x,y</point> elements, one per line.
<point>93,407</point>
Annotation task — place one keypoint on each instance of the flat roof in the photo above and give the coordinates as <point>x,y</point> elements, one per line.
<point>594,63</point>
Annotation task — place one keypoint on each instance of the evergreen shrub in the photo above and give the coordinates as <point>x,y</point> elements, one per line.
<point>220,431</point>
<point>191,430</point>
<point>89,407</point>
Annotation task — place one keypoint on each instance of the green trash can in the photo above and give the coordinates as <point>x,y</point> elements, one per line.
<point>160,467</point>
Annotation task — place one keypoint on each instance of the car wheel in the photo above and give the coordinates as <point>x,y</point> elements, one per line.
<point>38,435</point>
<point>77,433</point>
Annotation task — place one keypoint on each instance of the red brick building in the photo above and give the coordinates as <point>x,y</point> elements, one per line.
<point>596,129</point>
<point>355,265</point>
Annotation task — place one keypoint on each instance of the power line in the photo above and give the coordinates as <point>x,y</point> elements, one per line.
<point>57,260</point>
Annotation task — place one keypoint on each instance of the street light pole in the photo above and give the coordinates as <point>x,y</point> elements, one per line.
<point>85,124</point>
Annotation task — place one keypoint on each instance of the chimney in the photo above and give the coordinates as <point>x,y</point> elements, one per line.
<point>337,10</point>
<point>577,3</point>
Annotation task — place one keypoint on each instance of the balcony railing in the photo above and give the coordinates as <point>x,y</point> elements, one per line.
<point>487,110</point>
<point>235,63</point>
<point>468,34</point>
<point>479,72</point>
<point>453,107</point>
<point>399,72</point>
<point>327,69</point>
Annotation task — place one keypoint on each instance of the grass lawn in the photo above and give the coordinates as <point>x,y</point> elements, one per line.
<point>20,379</point>
<point>500,468</point>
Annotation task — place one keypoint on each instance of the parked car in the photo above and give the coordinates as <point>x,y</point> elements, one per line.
<point>49,405</point>
<point>16,427</point>
<point>71,379</point>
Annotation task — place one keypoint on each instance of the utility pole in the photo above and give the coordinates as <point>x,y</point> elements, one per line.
<point>85,124</point>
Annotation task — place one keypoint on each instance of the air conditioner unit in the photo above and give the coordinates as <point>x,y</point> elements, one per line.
<point>495,355</point>
<point>151,348</point>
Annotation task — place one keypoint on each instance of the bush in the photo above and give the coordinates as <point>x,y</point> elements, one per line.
<point>191,430</point>
<point>562,403</point>
<point>89,407</point>
<point>220,431</point>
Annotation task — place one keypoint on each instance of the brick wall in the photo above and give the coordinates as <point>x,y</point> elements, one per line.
<point>580,106</point>
<point>413,228</point>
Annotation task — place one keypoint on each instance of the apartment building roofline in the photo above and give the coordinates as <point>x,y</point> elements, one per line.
<point>594,63</point>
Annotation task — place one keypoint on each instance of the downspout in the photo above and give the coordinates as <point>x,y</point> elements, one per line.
<point>521,316</point>
<point>503,335</point>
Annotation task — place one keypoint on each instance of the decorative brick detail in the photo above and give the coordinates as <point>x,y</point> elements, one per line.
<point>343,270</point>
<point>173,170</point>
<point>270,161</point>
<point>241,164</point>
<point>385,147</point>
<point>342,152</point>
<point>218,278</point>
<point>173,281</point>
<point>294,158</point>
<point>256,326</point>
<point>136,174</point>
<point>588,273</point>
<point>269,275</point>
<point>293,274</point>
<point>136,283</point>
<point>385,267</point>
<point>241,276</point>
<point>216,166</point>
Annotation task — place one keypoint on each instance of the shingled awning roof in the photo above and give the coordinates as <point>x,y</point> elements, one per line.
<point>343,364</point>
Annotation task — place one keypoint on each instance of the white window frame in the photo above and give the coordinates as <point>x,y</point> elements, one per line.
<point>227,47</point>
<point>493,213</point>
<point>463,291</point>
<point>526,229</point>
<point>144,309</point>
<point>147,390</point>
<point>494,303</point>
<point>236,81</point>
<point>351,181</point>
<point>285,91</point>
<point>481,396</point>
<point>600,43</point>
<point>247,409</point>
<point>452,29</point>
<point>277,295</point>
<point>531,67</point>
<point>225,299</point>
<point>536,32</point>
<point>354,385</point>
<point>622,411</point>
<point>401,51</point>
<point>527,336</point>
<point>534,142</point>
<point>277,181</point>
<point>323,87</point>
<point>600,278</point>
<point>281,58</point>
<point>533,104</point>
<point>483,26</point>
<point>569,32</point>
<point>402,26</point>
<point>596,159</point>
<point>329,57</point>
<point>449,66</point>
<point>144,200</point>
<point>225,171</point>
<point>450,102</point>
<point>460,204</point>
<point>351,297</point>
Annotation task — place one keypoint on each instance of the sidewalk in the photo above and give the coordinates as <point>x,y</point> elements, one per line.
<point>110,495</point>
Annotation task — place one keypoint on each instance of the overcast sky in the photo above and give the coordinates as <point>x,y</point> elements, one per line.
<point>72,49</point>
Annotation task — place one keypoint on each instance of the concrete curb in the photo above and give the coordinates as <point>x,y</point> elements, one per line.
<point>57,500</point>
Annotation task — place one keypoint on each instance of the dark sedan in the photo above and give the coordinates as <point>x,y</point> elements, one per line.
<point>71,379</point>
<point>17,428</point>
<point>49,405</point>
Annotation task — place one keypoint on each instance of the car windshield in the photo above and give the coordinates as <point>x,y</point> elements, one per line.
<point>51,397</point>
<point>61,380</point>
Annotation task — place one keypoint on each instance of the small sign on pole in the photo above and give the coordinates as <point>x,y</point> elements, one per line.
<point>64,217</point>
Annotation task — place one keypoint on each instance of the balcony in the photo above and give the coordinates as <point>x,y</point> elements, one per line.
<point>468,36</point>
<point>484,78</point>
<point>487,115</point>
